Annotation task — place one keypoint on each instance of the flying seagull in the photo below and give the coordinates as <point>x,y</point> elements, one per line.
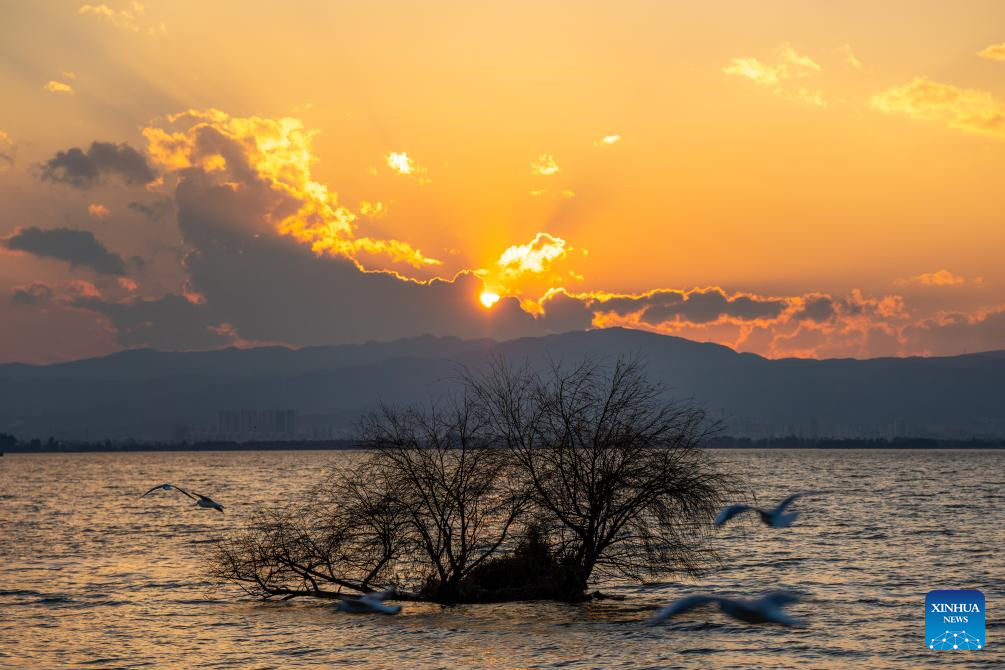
<point>767,609</point>
<point>776,518</point>
<point>369,602</point>
<point>202,501</point>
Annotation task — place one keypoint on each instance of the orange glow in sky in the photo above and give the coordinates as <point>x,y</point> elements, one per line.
<point>791,179</point>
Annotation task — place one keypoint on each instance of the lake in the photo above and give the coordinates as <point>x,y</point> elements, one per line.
<point>92,576</point>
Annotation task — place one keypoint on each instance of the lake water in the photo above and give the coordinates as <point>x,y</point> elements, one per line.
<point>90,576</point>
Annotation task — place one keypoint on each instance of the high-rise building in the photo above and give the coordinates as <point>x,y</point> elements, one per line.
<point>258,423</point>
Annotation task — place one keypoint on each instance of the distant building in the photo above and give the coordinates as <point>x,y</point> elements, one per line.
<point>258,423</point>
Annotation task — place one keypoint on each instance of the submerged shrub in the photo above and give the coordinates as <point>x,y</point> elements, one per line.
<point>527,487</point>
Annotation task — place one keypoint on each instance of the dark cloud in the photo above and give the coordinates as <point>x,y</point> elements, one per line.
<point>956,333</point>
<point>31,295</point>
<point>153,211</point>
<point>84,169</point>
<point>818,308</point>
<point>77,247</point>
<point>696,306</point>
<point>563,313</point>
<point>170,322</point>
<point>260,286</point>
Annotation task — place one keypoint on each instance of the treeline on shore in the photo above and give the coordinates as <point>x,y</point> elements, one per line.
<point>11,444</point>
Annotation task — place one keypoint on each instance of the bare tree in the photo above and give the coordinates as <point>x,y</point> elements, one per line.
<point>614,467</point>
<point>526,486</point>
<point>347,539</point>
<point>462,498</point>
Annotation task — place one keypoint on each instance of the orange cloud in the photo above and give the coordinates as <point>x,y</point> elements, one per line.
<point>993,52</point>
<point>849,57</point>
<point>58,87</point>
<point>125,19</point>
<point>937,278</point>
<point>545,165</point>
<point>534,257</point>
<point>790,65</point>
<point>277,151</point>
<point>98,211</point>
<point>756,71</point>
<point>965,109</point>
<point>402,163</point>
<point>372,210</point>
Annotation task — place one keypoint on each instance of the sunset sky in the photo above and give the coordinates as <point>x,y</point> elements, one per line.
<point>787,178</point>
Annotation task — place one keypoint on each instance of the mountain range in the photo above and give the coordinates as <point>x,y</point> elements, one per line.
<point>154,395</point>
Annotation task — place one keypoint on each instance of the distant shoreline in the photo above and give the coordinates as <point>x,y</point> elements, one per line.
<point>352,445</point>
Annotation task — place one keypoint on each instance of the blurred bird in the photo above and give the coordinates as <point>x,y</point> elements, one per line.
<point>767,609</point>
<point>776,518</point>
<point>204,502</point>
<point>369,602</point>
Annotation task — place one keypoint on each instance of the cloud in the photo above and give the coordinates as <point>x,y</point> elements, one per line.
<point>608,140</point>
<point>545,165</point>
<point>965,109</point>
<point>756,71</point>
<point>98,211</point>
<point>169,322</point>
<point>816,308</point>
<point>153,211</point>
<point>849,57</point>
<point>253,275</point>
<point>993,52</point>
<point>6,151</point>
<point>132,19</point>
<point>31,295</point>
<point>937,278</point>
<point>800,63</point>
<point>956,332</point>
<point>402,163</point>
<point>531,270</point>
<point>54,86</point>
<point>272,256</point>
<point>696,306</point>
<point>84,169</point>
<point>790,65</point>
<point>77,247</point>
<point>372,210</point>
<point>272,158</point>
<point>809,325</point>
<point>534,257</point>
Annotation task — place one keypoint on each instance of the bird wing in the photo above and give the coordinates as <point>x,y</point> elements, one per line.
<point>788,501</point>
<point>158,487</point>
<point>781,617</point>
<point>729,512</point>
<point>193,497</point>
<point>377,596</point>
<point>781,598</point>
<point>682,605</point>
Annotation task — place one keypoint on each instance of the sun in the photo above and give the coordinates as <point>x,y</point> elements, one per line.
<point>488,299</point>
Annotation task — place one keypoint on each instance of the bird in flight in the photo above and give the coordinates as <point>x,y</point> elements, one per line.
<point>204,502</point>
<point>776,518</point>
<point>369,602</point>
<point>767,609</point>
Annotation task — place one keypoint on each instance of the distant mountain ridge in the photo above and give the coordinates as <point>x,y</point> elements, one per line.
<point>153,394</point>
